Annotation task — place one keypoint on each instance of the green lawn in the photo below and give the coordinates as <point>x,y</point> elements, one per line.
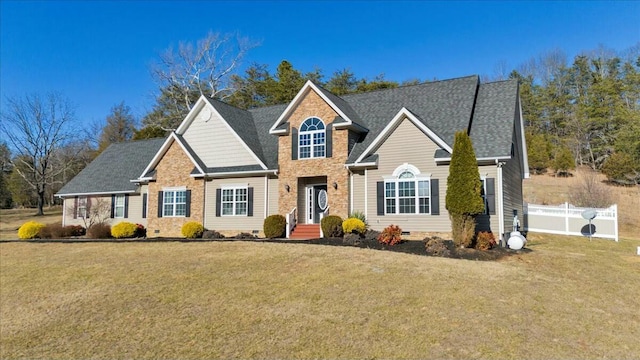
<point>567,298</point>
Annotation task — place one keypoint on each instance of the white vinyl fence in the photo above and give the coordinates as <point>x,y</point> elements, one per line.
<point>567,219</point>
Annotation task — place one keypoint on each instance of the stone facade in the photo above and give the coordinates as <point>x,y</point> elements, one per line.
<point>174,170</point>
<point>312,105</point>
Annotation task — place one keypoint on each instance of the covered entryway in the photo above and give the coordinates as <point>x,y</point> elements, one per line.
<point>313,199</point>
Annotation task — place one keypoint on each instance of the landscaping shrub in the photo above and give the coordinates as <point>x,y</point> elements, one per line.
<point>244,236</point>
<point>331,226</point>
<point>57,231</point>
<point>274,226</point>
<point>359,215</point>
<point>74,230</point>
<point>391,235</point>
<point>124,230</point>
<point>485,240</point>
<point>353,225</point>
<point>141,232</point>
<point>99,231</point>
<point>371,236</point>
<point>192,230</point>
<point>29,230</point>
<point>352,239</point>
<point>436,246</point>
<point>212,234</point>
<point>463,228</point>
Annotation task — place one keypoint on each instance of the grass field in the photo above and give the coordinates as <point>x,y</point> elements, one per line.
<point>566,298</point>
<point>12,219</point>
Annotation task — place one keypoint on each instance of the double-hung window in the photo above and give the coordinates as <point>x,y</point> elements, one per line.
<point>407,193</point>
<point>234,201</point>
<point>118,206</point>
<point>81,209</point>
<point>312,141</point>
<point>174,203</point>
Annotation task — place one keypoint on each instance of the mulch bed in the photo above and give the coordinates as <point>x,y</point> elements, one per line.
<point>414,247</point>
<point>417,247</point>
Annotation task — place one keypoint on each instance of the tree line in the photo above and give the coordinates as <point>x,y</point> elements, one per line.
<point>586,112</point>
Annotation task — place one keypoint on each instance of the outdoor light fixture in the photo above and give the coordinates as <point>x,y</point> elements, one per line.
<point>335,185</point>
<point>287,187</point>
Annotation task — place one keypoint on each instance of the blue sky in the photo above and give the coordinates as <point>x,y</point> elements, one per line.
<point>98,53</point>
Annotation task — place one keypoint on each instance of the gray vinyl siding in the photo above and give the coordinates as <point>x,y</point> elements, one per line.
<point>486,172</point>
<point>393,153</point>
<point>134,212</point>
<point>235,223</point>
<point>512,173</point>
<point>209,138</point>
<point>358,195</point>
<point>274,196</point>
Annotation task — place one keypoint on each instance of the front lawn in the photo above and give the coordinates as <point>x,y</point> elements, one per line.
<point>566,298</point>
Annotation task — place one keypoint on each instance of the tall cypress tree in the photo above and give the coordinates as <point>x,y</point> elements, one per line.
<point>464,200</point>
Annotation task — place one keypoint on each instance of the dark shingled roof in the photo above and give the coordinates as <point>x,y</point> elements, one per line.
<point>443,106</point>
<point>493,119</point>
<point>113,169</point>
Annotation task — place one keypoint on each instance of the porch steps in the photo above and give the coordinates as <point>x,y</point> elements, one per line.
<point>306,231</point>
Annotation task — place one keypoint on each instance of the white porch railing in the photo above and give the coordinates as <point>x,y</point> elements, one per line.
<point>567,219</point>
<point>322,215</point>
<point>292,221</point>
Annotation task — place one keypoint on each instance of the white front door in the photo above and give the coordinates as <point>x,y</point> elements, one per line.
<point>313,206</point>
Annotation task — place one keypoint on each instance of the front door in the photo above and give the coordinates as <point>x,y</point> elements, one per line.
<point>316,202</point>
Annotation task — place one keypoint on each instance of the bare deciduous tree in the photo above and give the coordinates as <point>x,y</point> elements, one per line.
<point>97,211</point>
<point>36,128</point>
<point>203,68</point>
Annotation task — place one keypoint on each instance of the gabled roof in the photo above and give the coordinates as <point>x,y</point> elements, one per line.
<point>173,137</point>
<point>493,124</point>
<point>444,107</point>
<point>343,108</point>
<point>241,122</point>
<point>112,171</point>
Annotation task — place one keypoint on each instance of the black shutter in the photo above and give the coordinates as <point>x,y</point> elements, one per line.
<point>126,206</point>
<point>328,141</point>
<point>435,197</point>
<point>380,197</point>
<point>187,212</point>
<point>144,206</point>
<point>491,195</point>
<point>160,193</point>
<point>250,201</point>
<point>113,206</point>
<point>87,211</point>
<point>294,143</point>
<point>218,201</point>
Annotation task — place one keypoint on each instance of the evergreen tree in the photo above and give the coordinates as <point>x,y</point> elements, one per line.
<point>464,200</point>
<point>563,161</point>
<point>120,126</point>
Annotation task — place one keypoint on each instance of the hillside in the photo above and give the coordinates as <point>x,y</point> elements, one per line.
<point>550,190</point>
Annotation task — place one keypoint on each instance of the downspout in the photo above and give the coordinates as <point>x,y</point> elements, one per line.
<point>499,199</point>
<point>266,195</point>
<point>64,212</point>
<point>350,190</point>
<point>366,194</point>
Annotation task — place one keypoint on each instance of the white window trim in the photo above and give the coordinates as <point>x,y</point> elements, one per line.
<point>234,202</point>
<point>116,206</point>
<point>483,179</point>
<point>312,134</point>
<point>417,178</point>
<point>174,203</point>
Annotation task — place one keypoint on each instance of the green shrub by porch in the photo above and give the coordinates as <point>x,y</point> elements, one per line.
<point>331,226</point>
<point>274,226</point>
<point>464,200</point>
